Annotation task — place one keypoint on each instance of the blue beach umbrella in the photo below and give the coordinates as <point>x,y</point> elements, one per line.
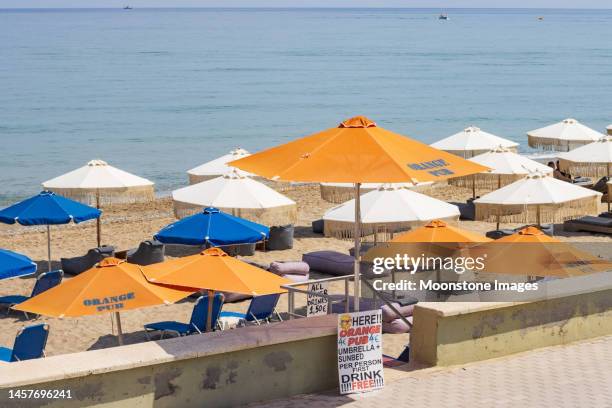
<point>47,208</point>
<point>213,227</point>
<point>13,264</point>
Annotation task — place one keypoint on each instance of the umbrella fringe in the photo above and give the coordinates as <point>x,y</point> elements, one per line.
<point>551,144</point>
<point>384,231</point>
<point>549,213</point>
<point>584,169</point>
<point>468,154</point>
<point>128,195</point>
<point>282,215</point>
<point>486,181</point>
<point>342,194</point>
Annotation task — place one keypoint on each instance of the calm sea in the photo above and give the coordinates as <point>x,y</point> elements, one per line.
<point>157,92</point>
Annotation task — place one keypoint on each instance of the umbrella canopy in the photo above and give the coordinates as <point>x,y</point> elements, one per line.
<point>505,167</point>
<point>387,209</point>
<point>591,160</point>
<point>473,141</point>
<point>47,208</point>
<point>212,227</point>
<point>98,183</point>
<point>341,192</point>
<point>440,231</point>
<point>357,151</point>
<point>537,198</point>
<point>217,167</point>
<point>13,264</point>
<point>238,195</point>
<point>213,269</point>
<point>563,136</point>
<point>111,286</point>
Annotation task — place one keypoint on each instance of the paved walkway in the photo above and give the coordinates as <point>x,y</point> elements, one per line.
<point>577,375</point>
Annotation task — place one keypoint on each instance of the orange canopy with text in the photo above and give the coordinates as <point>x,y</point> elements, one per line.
<point>214,270</point>
<point>357,151</point>
<point>439,231</point>
<point>113,285</point>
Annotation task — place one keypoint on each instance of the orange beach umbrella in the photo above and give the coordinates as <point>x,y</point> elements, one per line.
<point>439,231</point>
<point>357,151</point>
<point>214,270</point>
<point>111,286</point>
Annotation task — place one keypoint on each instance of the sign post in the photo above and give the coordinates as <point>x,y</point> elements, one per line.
<point>316,305</point>
<point>360,363</point>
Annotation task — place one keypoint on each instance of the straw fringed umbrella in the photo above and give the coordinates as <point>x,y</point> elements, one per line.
<point>342,192</point>
<point>563,136</point>
<point>112,286</point>
<point>473,141</point>
<point>97,183</point>
<point>387,210</point>
<point>506,167</point>
<point>217,167</point>
<point>357,151</point>
<point>238,195</point>
<point>536,199</point>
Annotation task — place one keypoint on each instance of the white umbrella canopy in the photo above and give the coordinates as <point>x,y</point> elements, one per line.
<point>472,141</point>
<point>217,167</point>
<point>506,167</point>
<point>591,160</point>
<point>238,195</point>
<point>537,198</point>
<point>563,136</point>
<point>387,209</point>
<point>341,192</point>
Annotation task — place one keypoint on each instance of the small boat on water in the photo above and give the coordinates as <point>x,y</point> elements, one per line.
<point>443,16</point>
<point>127,8</point>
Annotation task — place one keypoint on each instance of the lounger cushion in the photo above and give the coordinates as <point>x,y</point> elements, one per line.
<point>292,267</point>
<point>331,262</point>
<point>396,326</point>
<point>318,226</point>
<point>389,315</point>
<point>296,278</point>
<point>179,327</point>
<point>590,220</point>
<point>13,299</point>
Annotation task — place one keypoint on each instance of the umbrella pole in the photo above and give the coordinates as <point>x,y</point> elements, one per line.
<point>48,248</point>
<point>98,222</point>
<point>473,185</point>
<point>211,297</point>
<point>609,198</point>
<point>497,225</point>
<point>538,215</point>
<point>119,330</point>
<point>357,233</point>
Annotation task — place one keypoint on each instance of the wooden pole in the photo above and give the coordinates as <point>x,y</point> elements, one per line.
<point>211,298</point>
<point>357,233</point>
<point>98,222</point>
<point>119,330</point>
<point>473,185</point>
<point>538,215</point>
<point>48,248</point>
<point>609,181</point>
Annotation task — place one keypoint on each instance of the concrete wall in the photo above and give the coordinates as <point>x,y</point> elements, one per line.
<point>457,333</point>
<point>213,370</point>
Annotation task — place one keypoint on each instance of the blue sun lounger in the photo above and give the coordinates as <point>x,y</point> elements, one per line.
<point>197,323</point>
<point>261,310</point>
<point>30,343</point>
<point>44,282</point>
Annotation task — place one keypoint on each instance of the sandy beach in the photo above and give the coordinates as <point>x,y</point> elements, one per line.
<point>125,226</point>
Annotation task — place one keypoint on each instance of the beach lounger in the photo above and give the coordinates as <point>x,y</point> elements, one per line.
<point>318,226</point>
<point>148,252</point>
<point>76,265</point>
<point>44,282</point>
<point>29,343</point>
<point>261,310</point>
<point>197,323</point>
<point>589,223</point>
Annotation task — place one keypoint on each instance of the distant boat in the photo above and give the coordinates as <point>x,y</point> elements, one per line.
<point>540,18</point>
<point>443,16</point>
<point>127,8</point>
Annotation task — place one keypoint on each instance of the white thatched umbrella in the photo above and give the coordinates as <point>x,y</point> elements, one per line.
<point>563,136</point>
<point>98,183</point>
<point>341,192</point>
<point>506,167</point>
<point>537,198</point>
<point>387,209</point>
<point>609,130</point>
<point>473,141</point>
<point>591,160</point>
<point>238,195</point>
<point>217,167</point>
